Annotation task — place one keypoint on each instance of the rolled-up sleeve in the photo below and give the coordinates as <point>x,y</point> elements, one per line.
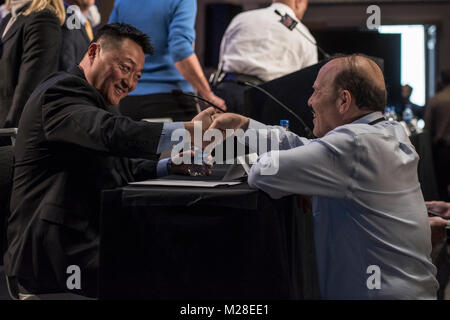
<point>321,167</point>
<point>181,30</point>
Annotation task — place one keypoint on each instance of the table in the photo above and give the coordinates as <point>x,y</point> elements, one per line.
<point>204,243</point>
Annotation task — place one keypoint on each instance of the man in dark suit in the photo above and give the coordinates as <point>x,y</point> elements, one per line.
<point>29,52</point>
<point>417,110</point>
<point>72,144</point>
<point>76,33</point>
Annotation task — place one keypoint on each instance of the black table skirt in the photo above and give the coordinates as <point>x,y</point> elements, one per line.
<point>205,243</point>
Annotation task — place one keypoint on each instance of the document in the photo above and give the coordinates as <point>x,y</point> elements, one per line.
<point>185,183</point>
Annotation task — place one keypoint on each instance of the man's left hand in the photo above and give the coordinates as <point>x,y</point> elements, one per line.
<point>189,169</point>
<point>206,117</point>
<point>438,232</point>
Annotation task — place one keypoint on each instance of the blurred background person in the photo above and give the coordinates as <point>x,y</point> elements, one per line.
<point>173,66</point>
<point>3,10</point>
<point>256,47</point>
<point>437,122</point>
<point>31,41</point>
<point>417,110</point>
<point>94,17</point>
<point>77,33</point>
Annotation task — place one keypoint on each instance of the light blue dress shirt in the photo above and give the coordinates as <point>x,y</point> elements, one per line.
<point>166,143</point>
<point>368,207</point>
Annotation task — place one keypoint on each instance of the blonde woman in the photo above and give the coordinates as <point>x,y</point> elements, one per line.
<point>29,51</point>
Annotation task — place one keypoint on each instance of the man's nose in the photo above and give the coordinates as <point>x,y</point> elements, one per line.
<point>127,82</point>
<point>310,102</point>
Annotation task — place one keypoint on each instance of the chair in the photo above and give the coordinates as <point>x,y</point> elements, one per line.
<point>6,175</point>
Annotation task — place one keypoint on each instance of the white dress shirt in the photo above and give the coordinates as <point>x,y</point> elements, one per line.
<point>256,43</point>
<point>368,207</point>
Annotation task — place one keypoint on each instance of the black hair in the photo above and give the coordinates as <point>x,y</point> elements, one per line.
<point>116,32</point>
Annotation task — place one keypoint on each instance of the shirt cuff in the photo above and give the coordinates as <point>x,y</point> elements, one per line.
<point>165,142</point>
<point>161,168</point>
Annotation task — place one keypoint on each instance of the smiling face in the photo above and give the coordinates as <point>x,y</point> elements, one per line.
<point>323,100</point>
<point>114,70</point>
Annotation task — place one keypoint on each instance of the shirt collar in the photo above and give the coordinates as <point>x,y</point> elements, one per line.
<point>283,9</point>
<point>369,118</point>
<point>77,71</point>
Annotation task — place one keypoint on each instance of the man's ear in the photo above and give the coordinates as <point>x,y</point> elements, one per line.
<point>300,8</point>
<point>344,101</point>
<point>93,51</point>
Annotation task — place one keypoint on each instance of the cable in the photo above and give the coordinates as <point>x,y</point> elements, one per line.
<point>179,92</point>
<point>308,131</point>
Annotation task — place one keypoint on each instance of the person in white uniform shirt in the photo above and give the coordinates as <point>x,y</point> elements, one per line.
<point>372,237</point>
<point>256,47</point>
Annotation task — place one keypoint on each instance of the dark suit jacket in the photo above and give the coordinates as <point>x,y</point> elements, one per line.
<point>69,147</point>
<point>29,53</point>
<point>75,43</point>
<point>437,117</point>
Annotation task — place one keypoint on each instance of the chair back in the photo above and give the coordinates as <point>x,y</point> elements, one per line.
<point>6,175</point>
<point>7,141</point>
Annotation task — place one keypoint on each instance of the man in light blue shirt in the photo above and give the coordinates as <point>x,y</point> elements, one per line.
<point>372,236</point>
<point>174,64</point>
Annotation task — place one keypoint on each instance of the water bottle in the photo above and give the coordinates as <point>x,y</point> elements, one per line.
<point>387,110</point>
<point>285,124</point>
<point>390,113</point>
<point>407,114</point>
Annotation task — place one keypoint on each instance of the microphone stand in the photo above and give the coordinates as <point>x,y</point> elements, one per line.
<point>307,130</point>
<point>179,92</point>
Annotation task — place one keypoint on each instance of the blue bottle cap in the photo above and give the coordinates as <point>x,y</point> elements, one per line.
<point>284,123</point>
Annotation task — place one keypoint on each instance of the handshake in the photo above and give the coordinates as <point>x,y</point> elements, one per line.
<point>204,131</point>
<point>213,119</point>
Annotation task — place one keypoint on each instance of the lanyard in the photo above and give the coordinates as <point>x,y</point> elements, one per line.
<point>376,121</point>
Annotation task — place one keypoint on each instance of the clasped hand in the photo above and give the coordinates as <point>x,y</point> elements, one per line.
<point>210,119</point>
<point>214,119</point>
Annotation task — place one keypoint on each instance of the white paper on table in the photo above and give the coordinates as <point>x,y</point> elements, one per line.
<point>185,183</point>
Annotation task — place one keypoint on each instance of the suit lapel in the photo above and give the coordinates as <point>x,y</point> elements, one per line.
<point>14,28</point>
<point>4,23</point>
<point>2,28</point>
